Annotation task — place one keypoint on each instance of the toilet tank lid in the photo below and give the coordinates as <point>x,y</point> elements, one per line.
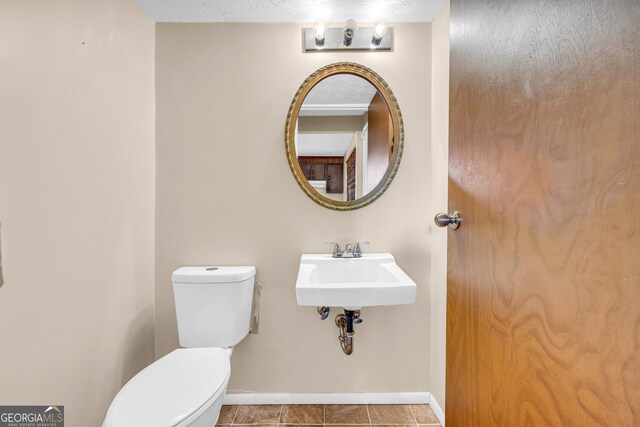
<point>213,274</point>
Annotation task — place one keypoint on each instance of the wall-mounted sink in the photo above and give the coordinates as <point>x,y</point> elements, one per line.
<point>373,279</point>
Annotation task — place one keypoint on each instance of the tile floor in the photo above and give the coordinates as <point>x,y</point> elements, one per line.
<point>327,415</point>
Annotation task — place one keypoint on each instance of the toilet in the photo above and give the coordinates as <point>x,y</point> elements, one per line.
<point>187,386</point>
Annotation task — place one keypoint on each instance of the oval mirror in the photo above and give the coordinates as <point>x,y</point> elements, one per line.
<point>344,136</point>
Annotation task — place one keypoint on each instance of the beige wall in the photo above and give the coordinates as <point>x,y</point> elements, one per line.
<point>330,124</point>
<point>333,196</point>
<point>76,202</point>
<point>225,195</point>
<point>439,179</point>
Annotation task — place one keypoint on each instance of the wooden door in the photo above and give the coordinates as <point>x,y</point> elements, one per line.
<point>543,298</point>
<point>335,178</point>
<point>380,138</point>
<point>306,170</point>
<point>318,171</point>
<point>351,176</point>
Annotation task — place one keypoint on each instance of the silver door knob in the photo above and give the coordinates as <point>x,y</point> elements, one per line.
<point>452,220</point>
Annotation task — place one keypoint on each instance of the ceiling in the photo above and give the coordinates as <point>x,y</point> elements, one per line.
<point>338,95</point>
<point>291,10</point>
<point>341,89</point>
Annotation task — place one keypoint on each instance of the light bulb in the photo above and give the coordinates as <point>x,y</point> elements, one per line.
<point>350,28</point>
<point>380,30</point>
<point>378,33</point>
<point>319,32</point>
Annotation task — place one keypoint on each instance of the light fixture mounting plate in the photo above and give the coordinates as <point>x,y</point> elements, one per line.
<point>334,40</point>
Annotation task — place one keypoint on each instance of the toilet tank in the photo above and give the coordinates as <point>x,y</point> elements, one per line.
<point>213,304</point>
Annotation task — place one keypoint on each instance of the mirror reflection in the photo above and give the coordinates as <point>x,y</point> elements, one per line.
<point>344,137</point>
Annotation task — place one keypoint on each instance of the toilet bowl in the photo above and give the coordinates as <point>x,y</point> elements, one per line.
<point>187,386</point>
<point>177,390</point>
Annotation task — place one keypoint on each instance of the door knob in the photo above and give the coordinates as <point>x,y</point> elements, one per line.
<point>452,220</point>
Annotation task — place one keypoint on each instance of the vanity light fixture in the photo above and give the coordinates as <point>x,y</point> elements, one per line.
<point>378,33</point>
<point>319,32</point>
<point>350,28</point>
<point>349,36</point>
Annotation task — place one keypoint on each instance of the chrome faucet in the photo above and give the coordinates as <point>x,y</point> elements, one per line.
<point>357,251</point>
<point>337,252</point>
<point>350,251</point>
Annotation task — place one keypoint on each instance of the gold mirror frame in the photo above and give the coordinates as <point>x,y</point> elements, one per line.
<point>292,118</point>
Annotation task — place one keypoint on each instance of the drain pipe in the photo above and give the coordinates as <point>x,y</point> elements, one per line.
<point>345,322</point>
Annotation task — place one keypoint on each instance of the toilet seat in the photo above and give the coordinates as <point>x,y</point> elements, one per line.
<point>172,389</point>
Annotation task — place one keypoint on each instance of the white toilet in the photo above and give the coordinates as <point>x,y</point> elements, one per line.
<point>187,386</point>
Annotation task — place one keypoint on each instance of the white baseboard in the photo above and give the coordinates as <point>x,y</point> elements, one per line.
<point>328,398</point>
<point>436,409</point>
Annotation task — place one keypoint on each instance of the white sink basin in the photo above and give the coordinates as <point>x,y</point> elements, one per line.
<point>374,279</point>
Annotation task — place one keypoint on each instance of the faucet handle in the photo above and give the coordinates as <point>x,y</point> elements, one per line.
<point>337,252</point>
<point>357,252</point>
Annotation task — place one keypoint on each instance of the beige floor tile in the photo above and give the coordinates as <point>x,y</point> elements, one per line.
<point>256,425</point>
<point>346,414</point>
<point>302,414</point>
<point>391,414</point>
<point>258,414</point>
<point>424,414</point>
<point>352,425</point>
<point>301,425</point>
<point>394,425</point>
<point>227,414</point>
